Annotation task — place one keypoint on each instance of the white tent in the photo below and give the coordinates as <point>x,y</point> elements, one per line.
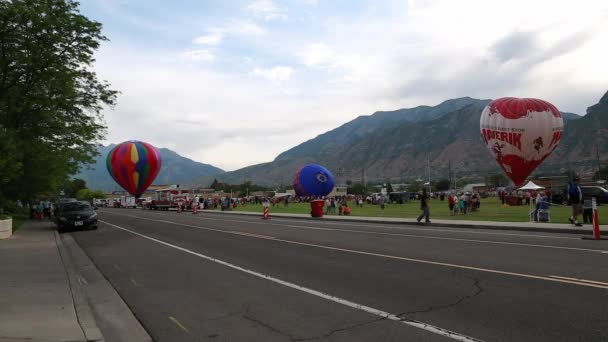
<point>531,186</point>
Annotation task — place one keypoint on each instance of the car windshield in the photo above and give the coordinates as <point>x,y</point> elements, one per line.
<point>76,207</point>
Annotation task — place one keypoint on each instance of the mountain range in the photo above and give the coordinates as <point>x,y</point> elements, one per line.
<point>176,169</point>
<point>405,144</point>
<point>400,146</point>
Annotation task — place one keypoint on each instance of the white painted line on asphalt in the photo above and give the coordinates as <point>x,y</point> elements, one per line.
<point>385,226</point>
<point>428,237</point>
<point>178,323</point>
<point>452,239</point>
<point>583,280</point>
<point>386,315</point>
<point>523,275</point>
<point>394,226</point>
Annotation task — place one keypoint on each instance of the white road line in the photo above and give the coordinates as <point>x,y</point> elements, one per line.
<point>429,262</point>
<point>387,226</point>
<point>386,315</point>
<point>428,237</point>
<point>583,280</point>
<point>394,226</point>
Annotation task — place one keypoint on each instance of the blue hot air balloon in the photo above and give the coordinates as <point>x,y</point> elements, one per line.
<point>313,180</point>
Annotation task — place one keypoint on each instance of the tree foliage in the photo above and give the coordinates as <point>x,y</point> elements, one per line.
<point>389,187</point>
<point>443,184</point>
<point>72,187</point>
<point>357,189</point>
<point>50,99</point>
<point>89,195</point>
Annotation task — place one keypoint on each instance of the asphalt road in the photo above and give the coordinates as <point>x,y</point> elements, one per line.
<point>214,277</point>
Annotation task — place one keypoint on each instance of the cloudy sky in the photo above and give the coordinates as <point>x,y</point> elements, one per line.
<point>234,83</point>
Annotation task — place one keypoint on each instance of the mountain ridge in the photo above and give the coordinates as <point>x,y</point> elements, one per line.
<point>176,169</point>
<point>396,145</point>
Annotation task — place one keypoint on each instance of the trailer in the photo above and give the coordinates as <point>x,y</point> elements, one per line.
<point>169,198</point>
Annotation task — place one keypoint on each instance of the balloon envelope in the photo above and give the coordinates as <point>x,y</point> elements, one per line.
<point>134,165</point>
<point>313,180</point>
<point>520,134</point>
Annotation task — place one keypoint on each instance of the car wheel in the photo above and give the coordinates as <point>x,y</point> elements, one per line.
<point>93,227</point>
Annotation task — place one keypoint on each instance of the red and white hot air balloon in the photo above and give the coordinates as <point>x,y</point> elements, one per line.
<point>520,134</point>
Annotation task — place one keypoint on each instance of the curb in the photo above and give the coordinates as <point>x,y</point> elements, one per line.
<point>414,223</point>
<point>84,315</point>
<point>111,313</point>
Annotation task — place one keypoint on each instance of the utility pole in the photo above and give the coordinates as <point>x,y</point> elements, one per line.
<point>597,155</point>
<point>428,159</point>
<point>363,177</point>
<point>450,172</point>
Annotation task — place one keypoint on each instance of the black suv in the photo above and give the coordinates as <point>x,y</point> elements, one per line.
<point>76,215</point>
<point>600,194</point>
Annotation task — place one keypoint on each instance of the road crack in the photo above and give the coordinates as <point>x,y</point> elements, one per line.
<point>478,291</point>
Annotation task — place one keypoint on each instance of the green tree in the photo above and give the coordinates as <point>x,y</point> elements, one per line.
<point>496,180</point>
<point>443,184</point>
<point>389,187</point>
<point>72,187</point>
<point>50,99</point>
<point>357,189</point>
<point>89,195</point>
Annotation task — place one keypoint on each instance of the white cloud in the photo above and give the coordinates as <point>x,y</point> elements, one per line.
<point>267,10</point>
<point>245,28</point>
<point>249,106</point>
<point>275,74</point>
<point>212,38</point>
<point>198,56</point>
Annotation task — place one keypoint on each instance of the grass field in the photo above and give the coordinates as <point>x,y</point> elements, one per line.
<point>491,210</point>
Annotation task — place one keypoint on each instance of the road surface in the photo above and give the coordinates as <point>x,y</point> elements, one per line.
<point>216,277</point>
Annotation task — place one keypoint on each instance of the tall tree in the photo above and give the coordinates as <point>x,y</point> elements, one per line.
<point>50,98</point>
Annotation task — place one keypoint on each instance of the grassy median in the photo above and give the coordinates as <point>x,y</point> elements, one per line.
<point>491,210</point>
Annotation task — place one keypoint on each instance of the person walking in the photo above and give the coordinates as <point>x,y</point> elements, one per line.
<point>575,197</point>
<point>424,206</point>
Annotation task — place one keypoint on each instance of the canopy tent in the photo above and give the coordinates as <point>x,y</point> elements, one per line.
<point>531,186</point>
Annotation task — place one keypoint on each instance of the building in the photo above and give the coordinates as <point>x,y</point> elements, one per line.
<point>338,191</point>
<point>476,187</point>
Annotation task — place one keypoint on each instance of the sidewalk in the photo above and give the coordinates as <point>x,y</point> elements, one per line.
<point>51,291</point>
<point>517,226</point>
<point>36,300</point>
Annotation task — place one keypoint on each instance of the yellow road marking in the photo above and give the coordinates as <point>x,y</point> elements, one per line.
<point>180,325</point>
<point>428,262</point>
<point>135,282</point>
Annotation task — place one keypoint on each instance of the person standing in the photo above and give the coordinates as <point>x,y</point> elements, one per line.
<point>424,206</point>
<point>451,204</point>
<point>575,197</point>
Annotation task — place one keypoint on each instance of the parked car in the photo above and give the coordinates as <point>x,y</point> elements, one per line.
<point>75,216</point>
<point>600,194</point>
<point>61,202</point>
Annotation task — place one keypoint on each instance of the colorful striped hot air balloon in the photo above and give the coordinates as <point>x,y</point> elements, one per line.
<point>134,165</point>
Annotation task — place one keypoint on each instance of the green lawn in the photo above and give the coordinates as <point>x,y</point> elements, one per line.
<point>491,210</point>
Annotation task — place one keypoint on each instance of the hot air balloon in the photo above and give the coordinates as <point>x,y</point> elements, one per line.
<point>134,165</point>
<point>520,134</point>
<point>313,180</point>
